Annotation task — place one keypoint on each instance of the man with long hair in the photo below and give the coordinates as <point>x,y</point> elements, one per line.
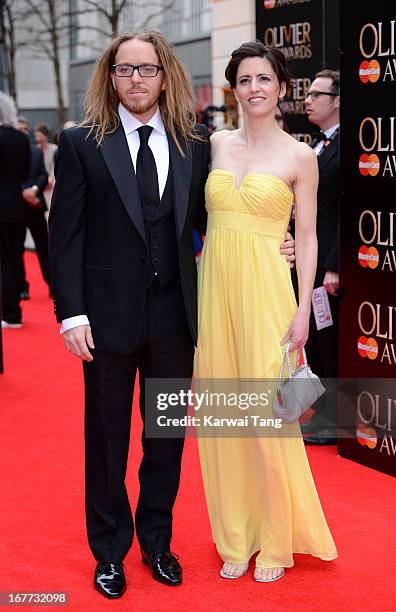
<point>129,190</point>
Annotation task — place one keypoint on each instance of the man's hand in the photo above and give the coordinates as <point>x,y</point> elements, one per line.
<point>331,282</point>
<point>30,196</point>
<point>287,249</point>
<point>78,340</point>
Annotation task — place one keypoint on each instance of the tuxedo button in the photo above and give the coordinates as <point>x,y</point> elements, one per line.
<point>155,235</point>
<point>155,260</point>
<point>155,247</point>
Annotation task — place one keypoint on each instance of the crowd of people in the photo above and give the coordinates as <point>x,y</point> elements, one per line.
<point>132,182</point>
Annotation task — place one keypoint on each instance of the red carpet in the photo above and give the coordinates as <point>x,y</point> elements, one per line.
<point>43,543</point>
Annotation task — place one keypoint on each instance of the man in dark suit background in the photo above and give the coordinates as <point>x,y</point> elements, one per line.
<point>14,170</point>
<point>35,207</point>
<point>323,109</point>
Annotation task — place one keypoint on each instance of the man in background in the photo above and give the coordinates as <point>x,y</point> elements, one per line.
<point>14,170</point>
<point>323,109</point>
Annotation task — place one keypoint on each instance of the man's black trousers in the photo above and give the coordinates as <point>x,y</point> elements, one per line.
<point>165,350</point>
<point>37,223</point>
<point>322,356</point>
<point>9,261</point>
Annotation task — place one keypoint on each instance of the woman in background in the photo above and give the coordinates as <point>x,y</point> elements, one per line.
<point>42,135</point>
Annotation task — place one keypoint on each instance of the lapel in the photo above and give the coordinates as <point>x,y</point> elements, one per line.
<point>181,174</point>
<point>117,157</point>
<point>328,154</point>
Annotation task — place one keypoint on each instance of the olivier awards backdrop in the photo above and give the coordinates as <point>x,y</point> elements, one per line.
<point>368,231</point>
<point>307,33</point>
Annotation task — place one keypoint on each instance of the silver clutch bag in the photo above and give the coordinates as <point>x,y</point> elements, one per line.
<point>298,392</point>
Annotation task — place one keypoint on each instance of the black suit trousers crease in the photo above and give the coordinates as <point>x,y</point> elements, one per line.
<point>165,350</point>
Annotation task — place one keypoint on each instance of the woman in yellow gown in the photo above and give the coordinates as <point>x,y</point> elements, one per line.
<point>260,492</point>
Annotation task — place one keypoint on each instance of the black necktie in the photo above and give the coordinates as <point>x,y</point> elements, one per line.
<point>318,136</point>
<point>146,170</point>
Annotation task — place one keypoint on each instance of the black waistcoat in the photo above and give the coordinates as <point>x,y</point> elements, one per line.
<point>161,237</point>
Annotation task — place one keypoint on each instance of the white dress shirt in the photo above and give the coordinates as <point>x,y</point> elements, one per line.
<point>158,143</point>
<point>328,133</point>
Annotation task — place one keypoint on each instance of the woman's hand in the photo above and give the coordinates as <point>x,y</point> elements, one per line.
<point>298,331</point>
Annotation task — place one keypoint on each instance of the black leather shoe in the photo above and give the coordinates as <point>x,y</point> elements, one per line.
<point>308,428</point>
<point>321,437</point>
<point>110,579</point>
<point>164,567</point>
<point>316,425</point>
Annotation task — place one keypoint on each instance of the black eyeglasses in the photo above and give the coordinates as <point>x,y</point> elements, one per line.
<point>145,70</point>
<point>315,94</point>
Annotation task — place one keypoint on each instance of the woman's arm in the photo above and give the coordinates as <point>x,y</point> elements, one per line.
<point>305,190</point>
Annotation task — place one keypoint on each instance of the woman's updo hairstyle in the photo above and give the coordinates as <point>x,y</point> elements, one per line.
<point>255,48</point>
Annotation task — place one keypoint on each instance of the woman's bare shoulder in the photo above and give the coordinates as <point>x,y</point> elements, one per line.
<point>298,148</point>
<point>303,153</point>
<point>221,140</point>
<point>221,135</point>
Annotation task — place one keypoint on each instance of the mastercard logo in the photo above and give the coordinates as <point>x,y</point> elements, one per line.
<point>369,164</point>
<point>369,71</point>
<point>269,4</point>
<point>366,436</point>
<point>368,257</point>
<point>367,347</point>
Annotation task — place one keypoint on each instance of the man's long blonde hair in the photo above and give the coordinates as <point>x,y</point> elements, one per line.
<point>176,102</point>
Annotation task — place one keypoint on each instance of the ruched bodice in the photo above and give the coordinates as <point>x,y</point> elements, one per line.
<point>259,193</point>
<point>259,490</point>
<point>264,199</point>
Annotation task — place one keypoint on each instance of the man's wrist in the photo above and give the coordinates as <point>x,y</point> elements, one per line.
<point>75,321</point>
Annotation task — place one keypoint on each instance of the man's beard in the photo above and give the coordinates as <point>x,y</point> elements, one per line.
<point>136,106</point>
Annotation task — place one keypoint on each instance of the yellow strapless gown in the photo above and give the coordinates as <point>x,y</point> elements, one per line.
<point>260,492</point>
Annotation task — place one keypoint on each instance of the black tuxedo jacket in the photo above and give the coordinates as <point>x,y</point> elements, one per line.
<point>38,176</point>
<point>328,210</point>
<point>14,170</point>
<point>97,236</point>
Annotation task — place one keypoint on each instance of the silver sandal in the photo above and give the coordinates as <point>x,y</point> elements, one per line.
<point>224,574</point>
<point>270,579</point>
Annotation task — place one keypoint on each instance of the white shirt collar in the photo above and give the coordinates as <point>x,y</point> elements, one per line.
<point>331,130</point>
<point>130,123</point>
